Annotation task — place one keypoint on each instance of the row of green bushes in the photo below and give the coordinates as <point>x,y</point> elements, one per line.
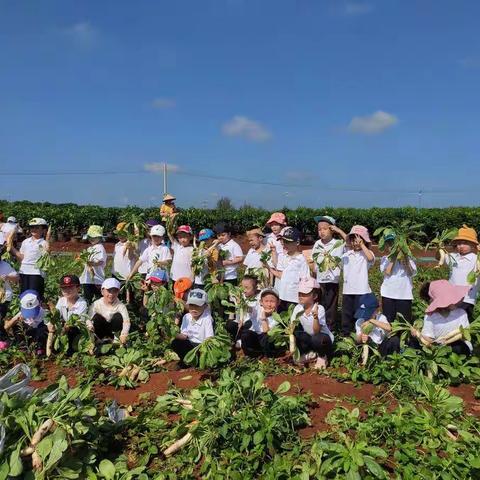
<point>74,219</point>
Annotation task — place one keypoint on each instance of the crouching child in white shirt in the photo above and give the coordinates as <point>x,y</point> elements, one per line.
<point>313,337</point>
<point>197,324</point>
<point>108,316</point>
<point>373,327</point>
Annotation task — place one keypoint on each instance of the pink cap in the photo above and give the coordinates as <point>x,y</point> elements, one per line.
<point>306,285</point>
<point>277,217</point>
<point>361,231</point>
<point>185,229</point>
<point>444,294</point>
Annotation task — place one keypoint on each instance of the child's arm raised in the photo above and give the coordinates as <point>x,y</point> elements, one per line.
<point>9,324</point>
<point>368,253</point>
<point>338,231</point>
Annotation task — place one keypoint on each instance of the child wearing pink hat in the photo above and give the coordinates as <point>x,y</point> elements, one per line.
<point>357,260</point>
<point>444,317</point>
<point>182,253</point>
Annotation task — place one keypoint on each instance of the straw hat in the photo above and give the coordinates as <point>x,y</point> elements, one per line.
<point>168,197</point>
<point>466,234</point>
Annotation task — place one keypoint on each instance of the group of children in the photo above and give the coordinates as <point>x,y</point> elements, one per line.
<point>275,275</point>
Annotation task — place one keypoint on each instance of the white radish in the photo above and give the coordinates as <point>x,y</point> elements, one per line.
<point>441,260</point>
<point>50,340</point>
<point>292,343</point>
<point>365,350</point>
<point>27,451</point>
<point>134,373</point>
<point>175,447</point>
<point>187,404</point>
<point>44,428</point>
<point>37,463</point>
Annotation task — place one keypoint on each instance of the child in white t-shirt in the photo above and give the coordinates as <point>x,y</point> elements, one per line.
<point>257,247</point>
<point>291,268</point>
<point>276,223</point>
<point>233,254</point>
<point>124,255</point>
<point>32,248</point>
<point>182,253</point>
<point>197,324</point>
<point>8,275</point>
<point>313,337</point>
<point>373,327</point>
<point>356,261</point>
<point>444,317</point>
<point>208,257</point>
<point>397,285</point>
<point>94,271</point>
<point>462,262</point>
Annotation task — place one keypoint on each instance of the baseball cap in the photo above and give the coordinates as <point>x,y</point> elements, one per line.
<point>158,276</point>
<point>325,218</point>
<point>29,304</point>
<point>185,229</point>
<point>269,290</point>
<point>205,234</point>
<point>368,305</point>
<point>290,234</point>
<point>111,282</point>
<point>197,297</point>
<point>69,281</point>
<point>37,222</point>
<point>11,220</point>
<point>158,231</point>
<point>181,286</point>
<point>306,285</point>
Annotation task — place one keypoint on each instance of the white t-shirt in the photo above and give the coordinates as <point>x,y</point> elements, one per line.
<point>307,320</point>
<point>234,250</point>
<point>252,259</point>
<point>80,308</point>
<point>7,228</point>
<point>436,325</point>
<point>293,269</point>
<point>153,254</point>
<point>377,335</point>
<point>257,324</point>
<point>398,284</point>
<point>197,331</point>
<point>6,270</point>
<point>355,272</point>
<point>98,254</point>
<point>107,311</point>
<point>32,250</point>
<point>272,238</point>
<point>461,266</point>
<point>122,263</point>
<point>182,262</point>
<point>142,246</point>
<point>331,275</point>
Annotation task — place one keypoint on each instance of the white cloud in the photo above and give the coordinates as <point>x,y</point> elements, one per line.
<point>372,124</point>
<point>246,128</point>
<point>470,62</point>
<point>162,103</point>
<point>83,34</point>
<point>157,167</point>
<point>352,8</point>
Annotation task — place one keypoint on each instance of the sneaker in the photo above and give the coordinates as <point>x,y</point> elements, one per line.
<point>320,364</point>
<point>238,344</point>
<point>310,356</point>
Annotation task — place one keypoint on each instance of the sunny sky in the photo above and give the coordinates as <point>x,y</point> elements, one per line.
<point>343,103</point>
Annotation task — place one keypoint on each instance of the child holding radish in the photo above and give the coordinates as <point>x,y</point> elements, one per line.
<point>444,318</point>
<point>232,252</point>
<point>181,245</point>
<point>276,223</point>
<point>8,275</point>
<point>205,257</point>
<point>124,255</point>
<point>313,337</point>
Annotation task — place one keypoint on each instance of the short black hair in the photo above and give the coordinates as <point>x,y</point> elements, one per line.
<point>424,295</point>
<point>222,227</point>
<point>251,277</point>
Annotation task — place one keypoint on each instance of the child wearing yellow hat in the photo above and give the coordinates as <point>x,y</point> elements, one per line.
<point>462,262</point>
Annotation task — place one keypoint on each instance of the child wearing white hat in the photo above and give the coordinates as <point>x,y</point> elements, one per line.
<point>94,272</point>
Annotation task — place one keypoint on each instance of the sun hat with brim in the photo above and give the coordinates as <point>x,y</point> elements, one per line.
<point>158,276</point>
<point>197,297</point>
<point>69,281</point>
<point>111,282</point>
<point>306,285</point>
<point>37,222</point>
<point>325,218</point>
<point>167,197</point>
<point>95,231</point>
<point>181,286</point>
<point>120,229</point>
<point>185,229</point>
<point>466,234</point>
<point>158,231</point>
<point>277,217</point>
<point>205,234</point>
<point>290,234</point>
<point>255,231</point>
<point>269,291</point>
<point>444,294</point>
<point>29,304</point>
<point>361,231</point>
<point>368,305</point>
<point>11,220</point>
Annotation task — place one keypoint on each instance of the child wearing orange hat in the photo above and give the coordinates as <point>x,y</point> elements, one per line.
<point>462,262</point>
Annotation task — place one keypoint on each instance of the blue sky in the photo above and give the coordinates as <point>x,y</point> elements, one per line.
<point>344,103</point>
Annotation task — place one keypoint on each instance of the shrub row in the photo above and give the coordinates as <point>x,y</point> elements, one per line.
<point>74,219</point>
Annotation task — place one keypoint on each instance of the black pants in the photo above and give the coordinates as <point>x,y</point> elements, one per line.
<point>182,346</point>
<point>459,347</point>
<point>285,305</point>
<point>257,344</point>
<point>468,307</point>
<point>32,282</point>
<point>72,334</point>
<point>389,346</point>
<point>91,292</point>
<point>3,313</point>
<point>233,281</point>
<point>392,306</point>
<point>232,328</point>
<point>329,301</point>
<point>319,343</point>
<point>350,303</point>
<point>36,336</point>
<point>107,329</point>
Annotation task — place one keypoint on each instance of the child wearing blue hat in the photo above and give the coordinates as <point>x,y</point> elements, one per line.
<point>205,257</point>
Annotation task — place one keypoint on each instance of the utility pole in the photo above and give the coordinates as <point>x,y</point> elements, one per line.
<point>164,178</point>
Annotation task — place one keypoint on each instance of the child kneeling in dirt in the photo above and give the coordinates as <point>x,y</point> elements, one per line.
<point>32,317</point>
<point>108,315</point>
<point>313,337</point>
<point>197,324</point>
<point>373,327</point>
<point>444,317</point>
